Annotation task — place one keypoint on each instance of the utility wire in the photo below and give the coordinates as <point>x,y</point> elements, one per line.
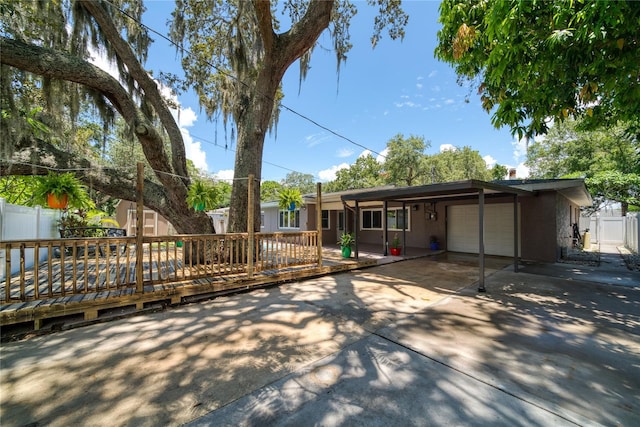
<point>231,76</point>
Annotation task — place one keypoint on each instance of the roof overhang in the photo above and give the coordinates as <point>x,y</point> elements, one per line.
<point>433,192</point>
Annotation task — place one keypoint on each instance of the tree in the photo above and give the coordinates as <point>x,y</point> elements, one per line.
<point>235,63</point>
<point>366,172</point>
<point>499,171</point>
<point>534,60</point>
<point>403,163</point>
<point>241,41</point>
<point>56,59</point>
<point>269,191</point>
<point>607,158</point>
<point>455,165</point>
<point>301,181</point>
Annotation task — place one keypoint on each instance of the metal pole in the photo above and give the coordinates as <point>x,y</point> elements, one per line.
<point>481,287</point>
<point>356,222</point>
<point>139,227</point>
<point>385,231</point>
<point>515,233</point>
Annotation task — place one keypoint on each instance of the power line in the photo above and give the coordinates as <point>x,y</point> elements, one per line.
<point>231,76</point>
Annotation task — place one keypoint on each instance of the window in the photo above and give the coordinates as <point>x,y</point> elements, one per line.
<point>261,219</point>
<point>325,220</point>
<point>371,219</point>
<point>341,220</point>
<point>289,219</point>
<point>397,219</point>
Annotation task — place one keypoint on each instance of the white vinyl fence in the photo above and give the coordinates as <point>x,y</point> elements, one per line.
<point>25,223</point>
<point>632,232</point>
<point>617,230</point>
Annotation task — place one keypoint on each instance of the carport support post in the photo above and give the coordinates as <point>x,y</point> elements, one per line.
<point>385,230</point>
<point>356,223</point>
<point>404,227</point>
<point>515,233</point>
<point>481,287</point>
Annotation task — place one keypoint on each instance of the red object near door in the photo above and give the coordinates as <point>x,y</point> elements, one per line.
<point>56,202</point>
<point>396,251</point>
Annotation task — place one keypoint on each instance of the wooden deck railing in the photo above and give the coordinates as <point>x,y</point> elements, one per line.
<point>81,266</point>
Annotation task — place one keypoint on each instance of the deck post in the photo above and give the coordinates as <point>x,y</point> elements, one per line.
<point>319,221</point>
<point>250,226</point>
<point>139,228</point>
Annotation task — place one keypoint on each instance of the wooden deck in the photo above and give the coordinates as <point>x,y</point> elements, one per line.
<point>68,288</point>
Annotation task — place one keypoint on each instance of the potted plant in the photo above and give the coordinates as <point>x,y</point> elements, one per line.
<point>202,196</point>
<point>395,246</point>
<point>346,240</point>
<point>61,190</point>
<point>434,245</point>
<point>289,198</point>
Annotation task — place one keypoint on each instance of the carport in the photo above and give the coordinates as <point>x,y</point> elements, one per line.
<point>474,190</point>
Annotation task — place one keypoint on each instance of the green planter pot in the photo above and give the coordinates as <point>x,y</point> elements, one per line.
<point>346,251</point>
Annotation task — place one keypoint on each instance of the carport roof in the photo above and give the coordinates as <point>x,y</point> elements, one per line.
<point>468,188</point>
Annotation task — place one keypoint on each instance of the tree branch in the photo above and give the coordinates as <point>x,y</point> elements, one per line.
<point>126,54</point>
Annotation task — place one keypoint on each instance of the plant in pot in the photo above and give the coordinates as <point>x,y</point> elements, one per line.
<point>346,240</point>
<point>58,191</point>
<point>289,199</point>
<point>434,245</point>
<point>202,195</point>
<point>395,246</point>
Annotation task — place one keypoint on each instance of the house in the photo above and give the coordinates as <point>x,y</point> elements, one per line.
<point>452,212</point>
<point>153,223</point>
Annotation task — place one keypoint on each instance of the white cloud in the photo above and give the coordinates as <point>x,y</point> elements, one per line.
<point>193,151</point>
<point>345,152</point>
<point>433,74</point>
<point>447,147</point>
<point>185,117</point>
<point>382,156</point>
<point>315,139</point>
<point>490,161</point>
<point>522,171</point>
<point>226,175</point>
<point>330,174</point>
<point>519,149</point>
<point>449,101</point>
<point>419,85</point>
<point>365,153</point>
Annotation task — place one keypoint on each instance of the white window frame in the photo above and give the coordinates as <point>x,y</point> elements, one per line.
<point>328,227</point>
<point>289,214</point>
<point>395,216</point>
<point>371,212</point>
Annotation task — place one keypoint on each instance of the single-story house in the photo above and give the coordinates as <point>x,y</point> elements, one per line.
<point>451,212</point>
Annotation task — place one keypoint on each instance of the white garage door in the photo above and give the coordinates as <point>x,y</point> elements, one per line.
<point>462,229</point>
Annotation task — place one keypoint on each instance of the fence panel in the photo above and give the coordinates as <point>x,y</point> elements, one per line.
<point>77,266</point>
<point>25,223</point>
<point>632,232</point>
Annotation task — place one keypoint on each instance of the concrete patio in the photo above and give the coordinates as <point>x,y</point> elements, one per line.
<point>406,343</point>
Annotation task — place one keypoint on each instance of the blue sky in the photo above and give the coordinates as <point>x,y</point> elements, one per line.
<point>398,87</point>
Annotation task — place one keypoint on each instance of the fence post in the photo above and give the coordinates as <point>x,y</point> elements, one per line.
<point>250,227</point>
<point>319,221</point>
<point>139,227</point>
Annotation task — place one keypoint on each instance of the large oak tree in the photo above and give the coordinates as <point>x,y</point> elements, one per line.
<point>235,56</point>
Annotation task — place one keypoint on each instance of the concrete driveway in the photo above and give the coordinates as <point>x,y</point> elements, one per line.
<point>408,343</point>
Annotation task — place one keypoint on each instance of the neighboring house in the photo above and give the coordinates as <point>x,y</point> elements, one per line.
<point>154,224</point>
<point>450,212</point>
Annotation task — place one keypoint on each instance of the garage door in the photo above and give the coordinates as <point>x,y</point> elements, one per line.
<point>462,229</point>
